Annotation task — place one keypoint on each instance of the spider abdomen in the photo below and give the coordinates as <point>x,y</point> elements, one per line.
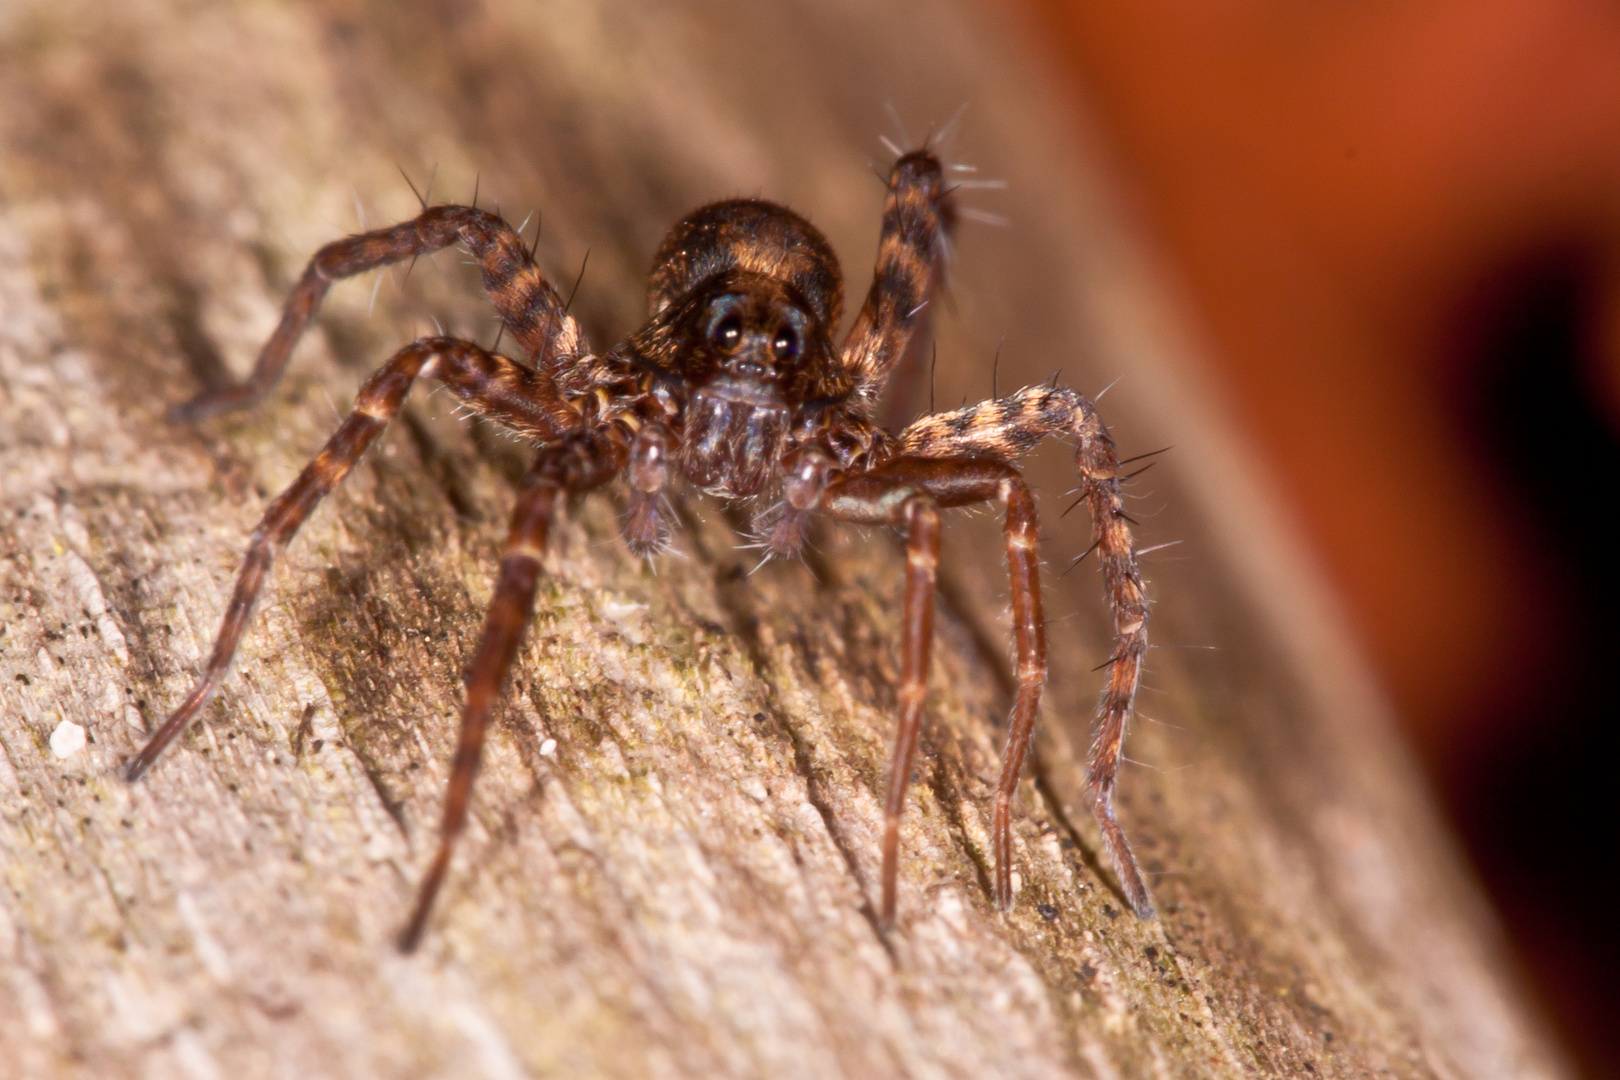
<point>736,432</point>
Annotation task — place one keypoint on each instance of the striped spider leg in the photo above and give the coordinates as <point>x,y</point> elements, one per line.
<point>964,456</point>
<point>860,473</point>
<point>578,450</point>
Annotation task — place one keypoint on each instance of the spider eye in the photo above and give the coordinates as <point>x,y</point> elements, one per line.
<point>728,333</point>
<point>786,344</point>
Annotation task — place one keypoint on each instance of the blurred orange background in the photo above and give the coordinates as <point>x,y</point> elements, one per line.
<point>1401,224</point>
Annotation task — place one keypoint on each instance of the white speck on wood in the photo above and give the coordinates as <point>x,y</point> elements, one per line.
<point>67,740</point>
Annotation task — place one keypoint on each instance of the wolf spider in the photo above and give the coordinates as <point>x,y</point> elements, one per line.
<point>733,384</point>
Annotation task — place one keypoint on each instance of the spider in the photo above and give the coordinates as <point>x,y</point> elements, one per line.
<point>734,385</point>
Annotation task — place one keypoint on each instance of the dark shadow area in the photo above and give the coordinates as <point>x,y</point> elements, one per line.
<point>1536,801</point>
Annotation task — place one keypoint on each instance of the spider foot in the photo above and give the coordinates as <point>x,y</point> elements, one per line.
<point>1129,872</point>
<point>780,531</point>
<point>646,528</point>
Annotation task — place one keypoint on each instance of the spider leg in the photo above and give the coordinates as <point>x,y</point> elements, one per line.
<point>645,530</point>
<point>917,216</point>
<point>1004,429</point>
<point>489,383</point>
<point>1022,535</point>
<point>906,490</point>
<point>922,561</point>
<point>576,464</point>
<point>526,301</point>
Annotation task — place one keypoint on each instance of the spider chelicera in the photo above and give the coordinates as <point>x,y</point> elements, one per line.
<point>734,385</point>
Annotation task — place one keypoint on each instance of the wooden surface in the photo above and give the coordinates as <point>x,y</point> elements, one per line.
<point>674,851</point>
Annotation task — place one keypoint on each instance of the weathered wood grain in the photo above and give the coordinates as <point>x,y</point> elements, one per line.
<point>673,861</point>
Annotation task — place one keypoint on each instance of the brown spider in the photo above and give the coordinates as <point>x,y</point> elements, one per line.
<point>734,384</point>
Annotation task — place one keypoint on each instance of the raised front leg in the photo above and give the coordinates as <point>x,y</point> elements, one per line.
<point>526,301</point>
<point>917,216</point>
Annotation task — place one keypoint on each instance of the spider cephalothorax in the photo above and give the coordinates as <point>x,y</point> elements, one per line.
<point>745,296</point>
<point>744,356</point>
<point>735,386</point>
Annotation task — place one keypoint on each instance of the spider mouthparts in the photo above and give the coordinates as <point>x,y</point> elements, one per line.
<point>735,435</point>
<point>745,391</point>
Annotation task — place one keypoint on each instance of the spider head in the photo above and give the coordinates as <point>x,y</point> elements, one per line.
<point>747,337</point>
<point>744,296</point>
<point>752,355</point>
<point>751,339</point>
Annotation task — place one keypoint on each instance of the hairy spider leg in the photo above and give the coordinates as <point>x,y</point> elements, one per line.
<point>646,528</point>
<point>526,301</point>
<point>917,218</point>
<point>578,463</point>
<point>1005,429</point>
<point>1022,531</point>
<point>486,382</point>
<point>1111,532</point>
<point>917,638</point>
<point>892,493</point>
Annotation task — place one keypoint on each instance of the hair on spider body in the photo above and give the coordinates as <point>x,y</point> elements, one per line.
<point>735,386</point>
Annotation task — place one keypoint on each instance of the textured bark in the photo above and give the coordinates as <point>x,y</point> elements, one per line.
<point>672,865</point>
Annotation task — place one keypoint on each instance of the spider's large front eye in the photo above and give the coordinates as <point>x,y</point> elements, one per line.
<point>785,345</point>
<point>728,333</point>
